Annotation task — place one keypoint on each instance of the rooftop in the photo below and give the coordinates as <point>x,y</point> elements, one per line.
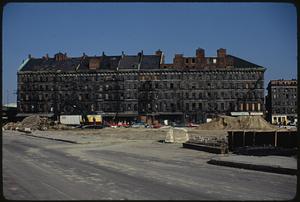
<point>140,61</point>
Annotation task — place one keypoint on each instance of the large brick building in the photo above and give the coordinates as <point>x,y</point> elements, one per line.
<point>281,101</point>
<point>129,86</point>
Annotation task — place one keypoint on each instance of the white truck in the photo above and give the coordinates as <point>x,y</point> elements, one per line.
<point>70,119</point>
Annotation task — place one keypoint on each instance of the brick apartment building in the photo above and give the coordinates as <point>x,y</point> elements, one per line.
<point>126,87</point>
<point>281,101</point>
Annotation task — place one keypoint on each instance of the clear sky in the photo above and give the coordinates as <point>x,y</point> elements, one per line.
<point>262,33</point>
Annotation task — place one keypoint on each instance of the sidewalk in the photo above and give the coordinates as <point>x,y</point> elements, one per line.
<point>274,164</point>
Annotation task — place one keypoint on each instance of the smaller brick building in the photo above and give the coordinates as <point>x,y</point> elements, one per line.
<point>281,101</point>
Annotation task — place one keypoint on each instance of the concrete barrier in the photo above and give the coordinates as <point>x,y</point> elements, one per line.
<point>177,135</point>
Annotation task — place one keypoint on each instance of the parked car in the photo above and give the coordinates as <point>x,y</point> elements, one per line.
<point>156,126</point>
<point>138,125</point>
<point>179,125</point>
<point>121,124</point>
<point>192,125</point>
<point>92,127</point>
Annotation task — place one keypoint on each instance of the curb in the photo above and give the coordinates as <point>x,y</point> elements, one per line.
<point>264,168</point>
<point>206,148</point>
<point>49,138</point>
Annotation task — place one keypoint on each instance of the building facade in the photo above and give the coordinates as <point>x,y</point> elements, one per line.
<point>126,87</point>
<point>281,101</point>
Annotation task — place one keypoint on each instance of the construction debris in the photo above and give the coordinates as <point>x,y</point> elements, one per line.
<point>237,123</point>
<point>212,148</point>
<point>32,123</point>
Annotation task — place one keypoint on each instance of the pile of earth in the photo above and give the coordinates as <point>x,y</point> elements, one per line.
<point>30,123</point>
<point>237,123</point>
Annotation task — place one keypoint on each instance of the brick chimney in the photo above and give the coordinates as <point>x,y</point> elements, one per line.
<point>178,61</point>
<point>60,57</point>
<point>221,53</point>
<point>158,52</point>
<point>200,53</point>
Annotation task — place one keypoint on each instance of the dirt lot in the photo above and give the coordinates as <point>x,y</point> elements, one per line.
<point>126,163</point>
<point>122,134</point>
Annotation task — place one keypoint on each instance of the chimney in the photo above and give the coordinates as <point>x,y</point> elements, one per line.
<point>221,53</point>
<point>60,57</point>
<point>158,52</point>
<point>200,53</point>
<point>161,54</point>
<point>47,56</point>
<point>178,61</point>
<point>222,62</point>
<point>103,54</point>
<point>29,56</point>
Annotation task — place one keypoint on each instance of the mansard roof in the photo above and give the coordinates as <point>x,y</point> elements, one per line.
<point>140,61</point>
<point>82,63</point>
<point>150,61</point>
<point>240,63</point>
<point>50,64</point>
<point>129,62</point>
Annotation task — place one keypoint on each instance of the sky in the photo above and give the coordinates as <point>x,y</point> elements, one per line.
<point>262,33</point>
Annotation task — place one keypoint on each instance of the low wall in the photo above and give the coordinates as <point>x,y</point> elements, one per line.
<point>284,139</point>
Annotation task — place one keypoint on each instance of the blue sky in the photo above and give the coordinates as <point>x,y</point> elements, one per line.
<point>262,33</point>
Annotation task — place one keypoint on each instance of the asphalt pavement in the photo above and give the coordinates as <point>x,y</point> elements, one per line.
<point>44,169</point>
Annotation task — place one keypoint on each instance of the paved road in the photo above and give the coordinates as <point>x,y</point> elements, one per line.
<point>41,169</point>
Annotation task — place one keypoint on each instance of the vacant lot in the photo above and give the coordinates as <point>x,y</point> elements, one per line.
<point>126,164</point>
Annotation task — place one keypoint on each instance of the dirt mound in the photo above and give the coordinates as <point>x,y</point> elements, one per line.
<point>33,122</point>
<point>237,123</point>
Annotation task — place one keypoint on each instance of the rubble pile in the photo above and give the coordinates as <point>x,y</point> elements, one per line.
<point>208,139</point>
<point>29,123</point>
<point>237,123</point>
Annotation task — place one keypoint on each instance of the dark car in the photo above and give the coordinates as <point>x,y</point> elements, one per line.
<point>92,127</point>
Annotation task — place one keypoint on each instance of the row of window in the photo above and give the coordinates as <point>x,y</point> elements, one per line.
<point>146,96</point>
<point>285,96</point>
<point>284,110</point>
<point>284,90</point>
<point>285,103</point>
<point>195,76</point>
<point>157,107</point>
<point>143,86</point>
